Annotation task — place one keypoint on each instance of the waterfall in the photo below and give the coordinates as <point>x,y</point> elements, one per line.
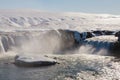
<point>99,45</point>
<point>2,50</point>
<point>54,42</point>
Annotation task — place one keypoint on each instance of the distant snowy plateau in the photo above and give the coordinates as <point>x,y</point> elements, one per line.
<point>33,19</point>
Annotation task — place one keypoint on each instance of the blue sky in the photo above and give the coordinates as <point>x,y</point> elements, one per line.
<point>89,6</point>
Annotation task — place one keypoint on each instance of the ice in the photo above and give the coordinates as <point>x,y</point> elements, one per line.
<point>38,33</point>
<point>33,60</point>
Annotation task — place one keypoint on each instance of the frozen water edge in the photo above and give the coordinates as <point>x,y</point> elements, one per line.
<point>89,67</point>
<point>71,67</point>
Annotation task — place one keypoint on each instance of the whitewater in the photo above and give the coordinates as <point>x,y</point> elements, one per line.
<point>57,36</point>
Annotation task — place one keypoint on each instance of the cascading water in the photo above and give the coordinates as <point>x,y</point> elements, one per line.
<point>2,50</point>
<point>100,45</point>
<point>48,41</point>
<point>55,42</point>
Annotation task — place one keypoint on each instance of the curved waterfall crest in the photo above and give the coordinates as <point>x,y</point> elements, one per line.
<point>53,41</point>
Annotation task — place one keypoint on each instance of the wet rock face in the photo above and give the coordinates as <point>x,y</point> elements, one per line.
<point>117,34</point>
<point>103,32</point>
<point>89,35</point>
<point>68,39</point>
<point>65,39</point>
<point>106,32</point>
<point>97,33</point>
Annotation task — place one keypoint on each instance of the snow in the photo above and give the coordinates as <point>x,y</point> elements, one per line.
<point>16,24</point>
<point>34,19</point>
<point>104,38</point>
<point>33,60</point>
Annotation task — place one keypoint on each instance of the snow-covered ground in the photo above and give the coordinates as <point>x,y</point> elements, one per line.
<point>25,31</point>
<point>34,19</point>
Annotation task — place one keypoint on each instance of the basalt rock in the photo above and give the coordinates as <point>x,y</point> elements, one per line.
<point>107,32</point>
<point>117,34</point>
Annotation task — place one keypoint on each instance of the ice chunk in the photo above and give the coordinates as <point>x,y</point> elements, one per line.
<point>34,61</point>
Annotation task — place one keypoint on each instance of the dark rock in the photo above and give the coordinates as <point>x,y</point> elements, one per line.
<point>89,35</point>
<point>115,50</point>
<point>106,32</point>
<point>98,33</point>
<point>117,34</point>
